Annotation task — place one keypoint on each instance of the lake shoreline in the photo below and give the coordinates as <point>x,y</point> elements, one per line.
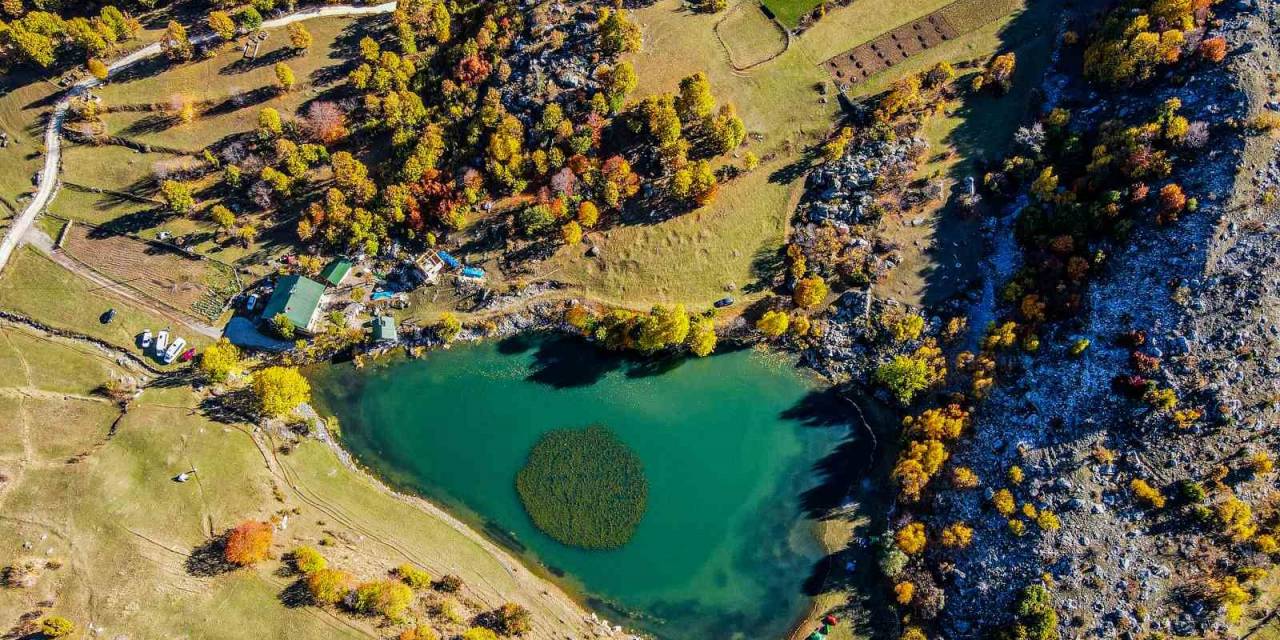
<point>529,566</point>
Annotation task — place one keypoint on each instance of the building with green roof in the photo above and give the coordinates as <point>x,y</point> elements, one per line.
<point>335,271</point>
<point>383,330</point>
<point>298,298</point>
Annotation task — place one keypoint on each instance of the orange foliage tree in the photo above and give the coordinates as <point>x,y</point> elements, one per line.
<point>248,543</point>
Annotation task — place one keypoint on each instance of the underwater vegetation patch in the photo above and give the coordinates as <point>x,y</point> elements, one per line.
<point>584,488</point>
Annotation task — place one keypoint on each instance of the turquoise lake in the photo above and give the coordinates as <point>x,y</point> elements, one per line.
<point>731,447</point>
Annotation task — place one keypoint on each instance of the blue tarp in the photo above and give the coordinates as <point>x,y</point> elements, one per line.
<point>449,260</point>
<point>382,295</point>
<point>473,272</point>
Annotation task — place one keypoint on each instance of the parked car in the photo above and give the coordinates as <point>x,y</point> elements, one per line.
<point>174,349</point>
<point>107,317</point>
<point>187,355</point>
<point>251,302</point>
<point>724,302</point>
<point>145,340</point>
<point>162,341</point>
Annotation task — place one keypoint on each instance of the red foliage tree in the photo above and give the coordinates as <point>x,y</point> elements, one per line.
<point>326,122</point>
<point>1213,49</point>
<point>248,543</point>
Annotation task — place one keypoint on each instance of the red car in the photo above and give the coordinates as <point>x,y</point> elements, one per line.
<point>187,355</point>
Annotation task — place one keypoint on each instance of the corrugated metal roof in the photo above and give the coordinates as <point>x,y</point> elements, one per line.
<point>297,298</point>
<point>335,271</point>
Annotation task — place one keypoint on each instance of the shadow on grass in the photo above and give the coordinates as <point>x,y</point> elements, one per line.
<point>209,559</point>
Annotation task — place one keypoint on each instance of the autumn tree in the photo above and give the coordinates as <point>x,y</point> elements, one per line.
<point>695,101</point>
<point>389,598</point>
<point>999,72</point>
<point>773,323</point>
<point>665,326</point>
<point>56,627</point>
<point>588,214</point>
<point>911,538</point>
<point>299,37</point>
<point>329,586</point>
<point>280,390</point>
<point>220,360</point>
<point>810,291</point>
<point>326,122</point>
<point>618,34</point>
<point>98,69</point>
<point>175,43</point>
<point>448,327</point>
<point>512,619</point>
<point>222,24</point>
<point>571,233</point>
<point>248,543</point>
<point>1213,49</point>
<point>307,560</point>
<point>352,177</point>
<point>269,124</point>
<point>619,81</point>
<point>702,337</point>
<point>178,196</point>
<point>284,77</point>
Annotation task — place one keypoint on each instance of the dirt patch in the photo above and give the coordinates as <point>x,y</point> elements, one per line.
<point>190,286</point>
<point>889,49</point>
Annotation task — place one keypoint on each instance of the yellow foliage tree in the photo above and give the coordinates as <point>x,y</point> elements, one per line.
<point>280,390</point>
<point>911,538</point>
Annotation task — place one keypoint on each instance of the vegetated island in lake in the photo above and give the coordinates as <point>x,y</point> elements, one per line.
<point>584,487</point>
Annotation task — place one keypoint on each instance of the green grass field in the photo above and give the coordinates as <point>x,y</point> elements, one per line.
<point>35,286</point>
<point>789,12</point>
<point>110,532</point>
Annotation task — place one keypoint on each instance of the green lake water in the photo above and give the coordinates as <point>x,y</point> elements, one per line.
<point>731,447</point>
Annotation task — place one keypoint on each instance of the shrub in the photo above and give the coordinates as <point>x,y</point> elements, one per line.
<point>389,598</point>
<point>1036,618</point>
<point>449,327</point>
<point>1193,492</point>
<point>479,633</point>
<point>773,323</point>
<point>413,576</point>
<point>308,560</point>
<point>810,292</point>
<point>957,535</point>
<point>963,478</point>
<point>512,619</point>
<point>903,591</point>
<point>1048,521</point>
<point>420,632</point>
<point>584,487</point>
<point>913,633</point>
<point>911,538</point>
<point>1080,346</point>
<point>248,543</point>
<point>449,584</point>
<point>1146,493</point>
<point>1235,516</point>
<point>1015,474</point>
<point>1017,527</point>
<point>57,627</point>
<point>1003,502</point>
<point>329,586</point>
<point>1261,462</point>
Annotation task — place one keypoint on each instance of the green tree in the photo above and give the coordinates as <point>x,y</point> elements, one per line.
<point>250,19</point>
<point>220,360</point>
<point>222,24</point>
<point>619,82</point>
<point>280,390</point>
<point>905,376</point>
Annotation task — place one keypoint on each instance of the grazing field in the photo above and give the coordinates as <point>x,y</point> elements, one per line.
<point>35,286</point>
<point>198,288</point>
<point>789,12</point>
<point>108,535</point>
<point>749,36</point>
<point>23,105</point>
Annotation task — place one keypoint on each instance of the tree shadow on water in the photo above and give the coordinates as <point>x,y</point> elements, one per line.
<point>565,363</point>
